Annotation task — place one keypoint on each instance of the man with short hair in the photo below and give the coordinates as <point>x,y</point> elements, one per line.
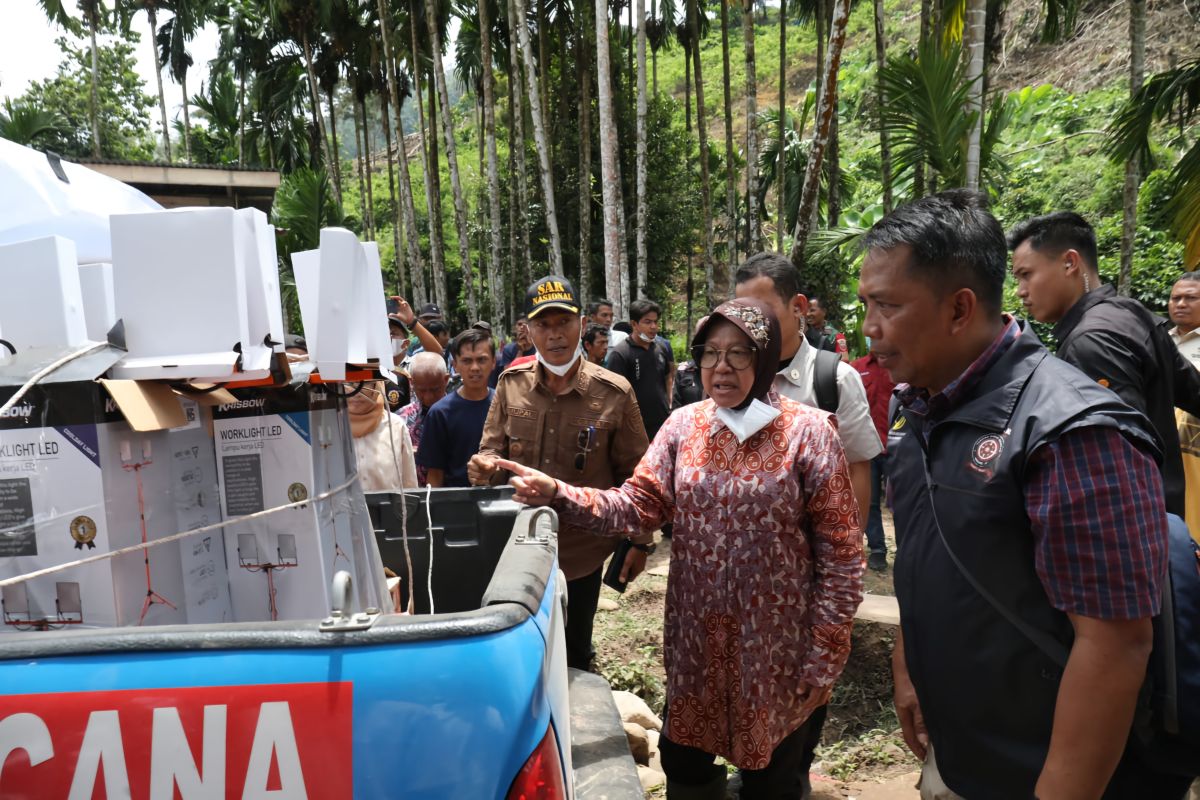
<point>1184,310</point>
<point>577,422</point>
<point>879,386</point>
<point>1112,339</point>
<point>595,343</point>
<point>646,364</point>
<point>600,313</point>
<point>520,347</point>
<point>819,379</point>
<point>427,378</point>
<point>1028,509</point>
<point>821,334</point>
<point>454,425</point>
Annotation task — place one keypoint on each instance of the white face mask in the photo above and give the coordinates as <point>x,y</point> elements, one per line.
<point>645,338</point>
<point>564,369</point>
<point>399,347</point>
<point>745,422</point>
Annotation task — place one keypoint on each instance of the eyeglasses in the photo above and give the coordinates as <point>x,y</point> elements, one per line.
<point>738,358</point>
<point>587,440</point>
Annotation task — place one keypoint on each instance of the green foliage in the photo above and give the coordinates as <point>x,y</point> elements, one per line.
<point>27,124</point>
<point>124,106</point>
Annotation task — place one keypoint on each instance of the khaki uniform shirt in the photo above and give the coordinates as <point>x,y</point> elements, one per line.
<point>530,425</point>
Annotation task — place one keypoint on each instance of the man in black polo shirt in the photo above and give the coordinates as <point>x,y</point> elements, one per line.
<point>646,364</point>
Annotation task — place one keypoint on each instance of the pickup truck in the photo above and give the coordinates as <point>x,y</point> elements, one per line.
<point>465,698</point>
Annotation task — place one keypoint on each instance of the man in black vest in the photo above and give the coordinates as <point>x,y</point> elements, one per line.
<point>1114,340</point>
<point>1024,493</point>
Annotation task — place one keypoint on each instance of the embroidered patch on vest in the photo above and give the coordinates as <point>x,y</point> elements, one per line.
<point>985,453</point>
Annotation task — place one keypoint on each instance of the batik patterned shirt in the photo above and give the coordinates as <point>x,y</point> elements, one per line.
<point>413,415</point>
<point>765,576</point>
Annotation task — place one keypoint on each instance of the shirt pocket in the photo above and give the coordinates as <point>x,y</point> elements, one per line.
<point>584,446</point>
<point>522,433</point>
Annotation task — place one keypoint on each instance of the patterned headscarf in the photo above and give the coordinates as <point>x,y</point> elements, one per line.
<point>756,320</point>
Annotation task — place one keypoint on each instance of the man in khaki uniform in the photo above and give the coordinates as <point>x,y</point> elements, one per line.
<point>577,422</point>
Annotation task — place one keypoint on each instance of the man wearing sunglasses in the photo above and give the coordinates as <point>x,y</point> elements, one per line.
<point>577,422</point>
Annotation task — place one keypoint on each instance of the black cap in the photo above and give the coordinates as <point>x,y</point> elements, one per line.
<point>553,291</point>
<point>430,310</point>
<point>399,323</point>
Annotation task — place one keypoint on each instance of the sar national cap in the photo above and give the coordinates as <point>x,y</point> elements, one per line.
<point>553,291</point>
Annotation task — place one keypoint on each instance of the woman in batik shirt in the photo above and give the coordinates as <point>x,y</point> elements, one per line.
<point>766,561</point>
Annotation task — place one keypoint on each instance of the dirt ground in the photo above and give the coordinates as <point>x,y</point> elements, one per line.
<point>862,754</point>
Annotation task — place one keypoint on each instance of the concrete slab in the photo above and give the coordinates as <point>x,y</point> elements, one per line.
<point>879,608</point>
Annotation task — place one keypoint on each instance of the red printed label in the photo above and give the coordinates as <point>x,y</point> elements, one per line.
<point>284,741</point>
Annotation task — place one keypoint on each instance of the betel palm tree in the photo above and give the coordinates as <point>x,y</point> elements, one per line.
<point>190,17</point>
<point>545,170</point>
<point>610,167</point>
<point>27,124</point>
<point>693,24</point>
<point>126,12</point>
<point>460,203</point>
<point>1137,70</point>
<point>748,30</point>
<point>640,169</point>
<point>1173,92</point>
<point>823,125</point>
<point>244,48</point>
<point>730,170</point>
<point>399,89</point>
<point>94,15</point>
<point>301,21</point>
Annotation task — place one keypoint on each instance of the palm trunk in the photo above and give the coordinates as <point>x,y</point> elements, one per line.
<point>406,215</point>
<point>152,17</point>
<point>94,108</point>
<point>366,136</point>
<point>752,244</point>
<point>1137,61</point>
<point>779,161</point>
<point>318,117</point>
<point>398,265</point>
<point>975,30</point>
<point>187,120</point>
<point>242,118</point>
<point>493,172</point>
<point>429,177</point>
<point>654,50</point>
<point>822,125</point>
<point>640,224</point>
<point>687,88</point>
<point>730,175</point>
<point>460,203</point>
<point>702,131</point>
<point>543,72</point>
<point>539,139</point>
<point>926,27</point>
<point>336,166</point>
<point>610,167</point>
<point>583,52</point>
<point>358,168</point>
<point>885,148</point>
<point>517,117</point>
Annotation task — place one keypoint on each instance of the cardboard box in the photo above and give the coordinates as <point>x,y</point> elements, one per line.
<point>278,446</point>
<point>99,313</point>
<point>342,302</point>
<point>42,304</point>
<point>179,282</point>
<point>83,465</point>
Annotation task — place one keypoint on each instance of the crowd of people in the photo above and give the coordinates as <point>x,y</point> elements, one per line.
<point>1030,493</point>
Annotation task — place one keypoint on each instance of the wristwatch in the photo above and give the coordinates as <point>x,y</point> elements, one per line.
<point>648,549</point>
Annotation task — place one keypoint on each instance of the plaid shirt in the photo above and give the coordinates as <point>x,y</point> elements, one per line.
<point>413,415</point>
<point>1095,506</point>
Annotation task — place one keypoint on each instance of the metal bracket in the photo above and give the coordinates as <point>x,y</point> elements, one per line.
<point>532,534</point>
<point>340,618</point>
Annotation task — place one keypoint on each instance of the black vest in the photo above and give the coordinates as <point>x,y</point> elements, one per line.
<point>986,692</point>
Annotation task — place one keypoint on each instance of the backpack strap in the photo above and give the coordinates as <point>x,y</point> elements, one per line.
<point>825,380</point>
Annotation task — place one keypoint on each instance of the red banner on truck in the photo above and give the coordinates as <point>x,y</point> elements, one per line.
<point>279,741</point>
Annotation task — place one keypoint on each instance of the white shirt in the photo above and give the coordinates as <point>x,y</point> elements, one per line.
<point>382,468</point>
<point>854,424</point>
<point>1188,344</point>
